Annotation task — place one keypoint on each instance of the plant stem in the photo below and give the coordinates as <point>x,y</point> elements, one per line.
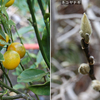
<point>43,13</point>
<point>49,5</point>
<point>37,32</point>
<point>16,97</point>
<point>11,89</point>
<point>6,75</point>
<point>5,80</point>
<point>22,66</point>
<point>34,93</point>
<point>44,78</point>
<point>12,97</point>
<point>11,36</point>
<point>1,83</point>
<point>37,97</point>
<point>18,34</point>
<point>4,27</point>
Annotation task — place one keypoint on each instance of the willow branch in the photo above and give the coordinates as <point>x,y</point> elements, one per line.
<point>85,47</point>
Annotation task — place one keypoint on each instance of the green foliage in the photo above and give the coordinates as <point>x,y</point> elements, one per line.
<point>18,86</point>
<point>22,6</point>
<point>1,57</point>
<point>18,71</point>
<point>33,66</point>
<point>41,89</point>
<point>3,42</point>
<point>46,16</point>
<point>26,60</point>
<point>46,43</point>
<point>1,48</point>
<point>3,2</point>
<point>2,33</point>
<point>39,58</point>
<point>30,75</point>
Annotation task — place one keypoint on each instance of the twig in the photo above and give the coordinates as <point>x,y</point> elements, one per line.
<point>87,53</point>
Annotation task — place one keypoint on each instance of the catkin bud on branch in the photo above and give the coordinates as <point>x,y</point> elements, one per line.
<point>85,27</point>
<point>84,68</point>
<point>96,85</point>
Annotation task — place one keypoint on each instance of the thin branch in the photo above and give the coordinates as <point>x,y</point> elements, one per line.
<point>44,78</point>
<point>18,34</point>
<point>87,53</point>
<point>22,66</point>
<point>11,89</point>
<point>1,83</point>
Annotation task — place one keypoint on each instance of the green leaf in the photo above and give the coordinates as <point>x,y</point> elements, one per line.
<point>18,86</point>
<point>46,15</point>
<point>42,89</point>
<point>30,75</point>
<point>18,71</point>
<point>33,66</point>
<point>5,12</point>
<point>39,58</point>
<point>32,55</point>
<point>1,2</point>
<point>5,24</point>
<point>5,1</point>
<point>25,60</point>
<point>3,42</point>
<point>2,33</point>
<point>1,57</point>
<point>1,48</point>
<point>10,22</point>
<point>46,43</point>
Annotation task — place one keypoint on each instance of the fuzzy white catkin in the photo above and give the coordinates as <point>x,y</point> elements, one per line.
<point>85,26</point>
<point>96,85</point>
<point>84,68</point>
